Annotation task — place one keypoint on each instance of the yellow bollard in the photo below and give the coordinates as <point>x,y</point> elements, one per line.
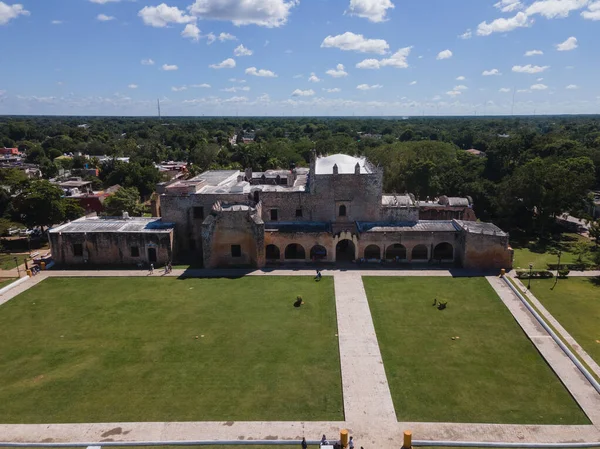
<point>407,440</point>
<point>502,272</point>
<point>344,437</point>
<point>43,265</point>
<point>29,273</point>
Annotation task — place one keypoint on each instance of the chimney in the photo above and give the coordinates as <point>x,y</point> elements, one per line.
<point>357,169</point>
<point>335,169</point>
<point>125,215</point>
<point>248,174</point>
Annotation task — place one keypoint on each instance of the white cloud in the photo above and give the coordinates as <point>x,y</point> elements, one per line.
<point>169,68</point>
<point>210,38</point>
<point>539,79</point>
<point>446,54</point>
<point>503,25</point>
<point>260,72</point>
<point>56,22</point>
<point>298,76</point>
<point>412,83</point>
<point>454,93</point>
<point>534,52</point>
<point>492,72</point>
<point>355,42</point>
<point>338,72</point>
<point>240,50</point>
<point>229,63</point>
<point>460,78</point>
<point>509,5</point>
<point>227,37</point>
<point>539,87</point>
<point>461,87</point>
<point>191,31</point>
<point>572,87</point>
<point>568,45</point>
<point>374,10</point>
<point>593,12</point>
<point>505,90</point>
<point>334,90</point>
<point>552,9</point>
<point>367,87</point>
<point>203,85</point>
<point>178,89</point>
<point>267,13</point>
<point>303,93</point>
<point>570,67</point>
<point>397,60</point>
<point>236,80</point>
<point>9,12</point>
<point>523,91</point>
<point>466,35</point>
<point>147,61</point>
<point>104,18</point>
<point>313,78</point>
<point>133,86</point>
<point>531,69</point>
<point>162,15</point>
<point>236,88</point>
<point>436,98</point>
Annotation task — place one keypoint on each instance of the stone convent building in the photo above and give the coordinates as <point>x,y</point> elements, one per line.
<point>333,211</point>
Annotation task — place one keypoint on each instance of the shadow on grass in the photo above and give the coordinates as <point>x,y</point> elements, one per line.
<point>595,281</point>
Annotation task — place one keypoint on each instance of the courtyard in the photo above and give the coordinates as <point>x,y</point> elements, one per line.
<point>575,303</point>
<point>75,350</point>
<point>470,362</point>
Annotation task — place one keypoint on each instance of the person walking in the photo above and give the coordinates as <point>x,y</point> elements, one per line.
<point>151,268</point>
<point>351,443</point>
<point>304,443</point>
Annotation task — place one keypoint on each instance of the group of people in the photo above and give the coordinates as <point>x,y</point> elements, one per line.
<point>168,268</point>
<point>336,445</point>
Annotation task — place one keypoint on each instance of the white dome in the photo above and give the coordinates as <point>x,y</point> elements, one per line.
<point>346,164</point>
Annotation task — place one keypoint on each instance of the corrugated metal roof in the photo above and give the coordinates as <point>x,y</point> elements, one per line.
<point>135,224</point>
<point>419,226</point>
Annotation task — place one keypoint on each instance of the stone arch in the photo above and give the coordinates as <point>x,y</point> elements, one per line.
<point>272,252</point>
<point>345,250</point>
<point>396,251</point>
<point>295,251</point>
<point>420,252</point>
<point>318,252</point>
<point>443,251</point>
<point>372,252</point>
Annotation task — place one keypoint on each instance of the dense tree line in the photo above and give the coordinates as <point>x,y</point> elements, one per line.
<point>534,169</point>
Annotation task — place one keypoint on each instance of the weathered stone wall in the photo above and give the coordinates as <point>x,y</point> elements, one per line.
<point>305,239</point>
<point>399,214</point>
<point>227,228</point>
<point>410,240</point>
<point>484,251</point>
<point>447,213</point>
<point>104,248</point>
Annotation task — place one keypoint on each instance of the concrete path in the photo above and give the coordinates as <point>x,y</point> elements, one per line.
<point>369,410</point>
<point>585,395</point>
<point>591,363</point>
<point>366,391</point>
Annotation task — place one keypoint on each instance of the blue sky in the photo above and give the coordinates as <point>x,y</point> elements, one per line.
<point>306,57</point>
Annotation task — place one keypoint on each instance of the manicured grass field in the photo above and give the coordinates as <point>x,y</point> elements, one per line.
<point>125,349</point>
<point>7,261</point>
<point>575,303</point>
<point>540,255</point>
<point>492,373</point>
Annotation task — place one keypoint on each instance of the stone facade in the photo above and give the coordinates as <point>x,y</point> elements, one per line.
<point>112,241</point>
<point>335,210</point>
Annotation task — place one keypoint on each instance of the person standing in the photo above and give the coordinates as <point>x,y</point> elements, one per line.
<point>351,443</point>
<point>151,268</point>
<point>304,443</point>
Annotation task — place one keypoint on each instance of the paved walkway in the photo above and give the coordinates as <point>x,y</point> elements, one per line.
<point>585,395</point>
<point>591,363</point>
<point>366,391</point>
<point>369,410</point>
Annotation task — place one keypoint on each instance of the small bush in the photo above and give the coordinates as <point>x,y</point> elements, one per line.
<point>537,274</point>
<point>563,273</point>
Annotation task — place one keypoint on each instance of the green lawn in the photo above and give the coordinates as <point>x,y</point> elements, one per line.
<point>491,374</point>
<point>7,261</point>
<point>542,254</point>
<point>575,303</point>
<point>118,350</point>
